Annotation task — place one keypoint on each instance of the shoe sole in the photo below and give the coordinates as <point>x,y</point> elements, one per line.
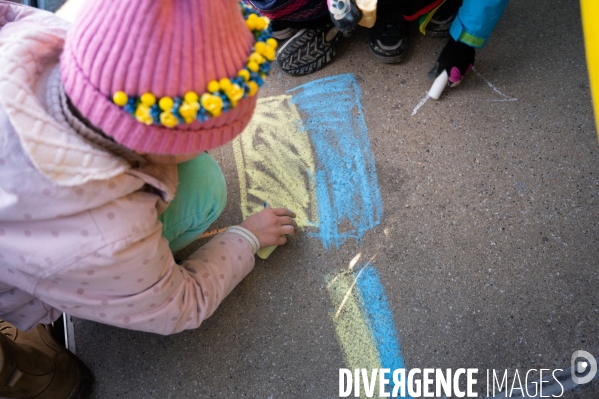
<point>387,59</point>
<point>440,33</point>
<point>283,34</point>
<point>436,34</point>
<point>306,52</point>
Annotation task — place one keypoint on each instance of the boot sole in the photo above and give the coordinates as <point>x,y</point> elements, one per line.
<point>436,34</point>
<point>386,59</point>
<point>306,52</point>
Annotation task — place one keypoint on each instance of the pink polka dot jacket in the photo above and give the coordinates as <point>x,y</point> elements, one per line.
<point>78,226</point>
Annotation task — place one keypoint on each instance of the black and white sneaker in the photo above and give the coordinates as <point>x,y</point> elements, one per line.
<point>388,41</point>
<point>440,23</point>
<point>308,50</point>
<point>283,34</point>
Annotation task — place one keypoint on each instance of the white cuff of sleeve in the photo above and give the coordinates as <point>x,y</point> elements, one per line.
<point>248,235</point>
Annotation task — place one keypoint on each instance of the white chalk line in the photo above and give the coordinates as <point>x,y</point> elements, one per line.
<point>495,89</point>
<point>420,104</point>
<point>348,293</point>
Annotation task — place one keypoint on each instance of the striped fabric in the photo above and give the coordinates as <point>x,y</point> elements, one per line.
<point>290,10</point>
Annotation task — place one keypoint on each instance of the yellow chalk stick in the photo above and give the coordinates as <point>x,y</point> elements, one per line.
<point>264,253</point>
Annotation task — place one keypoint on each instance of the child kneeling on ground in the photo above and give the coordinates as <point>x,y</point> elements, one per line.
<point>103,173</point>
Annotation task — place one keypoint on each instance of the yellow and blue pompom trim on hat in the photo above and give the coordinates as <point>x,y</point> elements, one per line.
<point>220,96</point>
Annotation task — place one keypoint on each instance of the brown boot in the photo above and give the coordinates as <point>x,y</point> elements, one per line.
<point>33,365</point>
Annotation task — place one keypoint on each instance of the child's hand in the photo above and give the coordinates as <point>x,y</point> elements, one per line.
<point>457,59</point>
<point>271,225</point>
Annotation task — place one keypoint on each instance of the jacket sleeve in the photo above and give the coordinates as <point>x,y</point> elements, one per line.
<point>476,20</point>
<point>133,282</point>
<point>15,12</point>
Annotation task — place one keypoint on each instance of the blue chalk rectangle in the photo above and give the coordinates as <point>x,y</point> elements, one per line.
<point>347,187</point>
<point>376,307</point>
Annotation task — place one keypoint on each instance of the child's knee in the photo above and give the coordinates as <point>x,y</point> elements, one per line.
<point>212,183</point>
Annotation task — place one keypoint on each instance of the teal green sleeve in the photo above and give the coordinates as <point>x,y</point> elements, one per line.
<point>476,20</point>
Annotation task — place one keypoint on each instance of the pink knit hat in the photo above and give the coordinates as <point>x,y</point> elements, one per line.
<point>147,72</point>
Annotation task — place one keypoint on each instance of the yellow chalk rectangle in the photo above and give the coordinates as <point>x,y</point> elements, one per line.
<point>275,163</point>
<point>355,337</point>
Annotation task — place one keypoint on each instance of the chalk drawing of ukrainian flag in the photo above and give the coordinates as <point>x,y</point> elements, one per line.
<point>364,324</point>
<point>308,150</point>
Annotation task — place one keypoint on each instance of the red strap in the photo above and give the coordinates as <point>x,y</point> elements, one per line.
<point>424,10</point>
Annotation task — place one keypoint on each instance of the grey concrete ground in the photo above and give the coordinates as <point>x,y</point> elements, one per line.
<point>491,208</point>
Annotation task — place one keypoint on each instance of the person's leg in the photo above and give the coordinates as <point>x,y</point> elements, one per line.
<point>307,37</point>
<point>32,365</point>
<point>390,35</point>
<point>201,196</point>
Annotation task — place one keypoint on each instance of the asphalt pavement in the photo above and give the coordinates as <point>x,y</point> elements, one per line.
<point>486,244</point>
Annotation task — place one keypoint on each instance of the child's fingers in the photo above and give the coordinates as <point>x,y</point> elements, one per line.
<point>287,220</point>
<point>290,230</point>
<point>283,212</point>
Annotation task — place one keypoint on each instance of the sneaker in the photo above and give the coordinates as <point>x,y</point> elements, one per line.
<point>308,50</point>
<point>45,370</point>
<point>283,34</point>
<point>440,23</point>
<point>388,42</point>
